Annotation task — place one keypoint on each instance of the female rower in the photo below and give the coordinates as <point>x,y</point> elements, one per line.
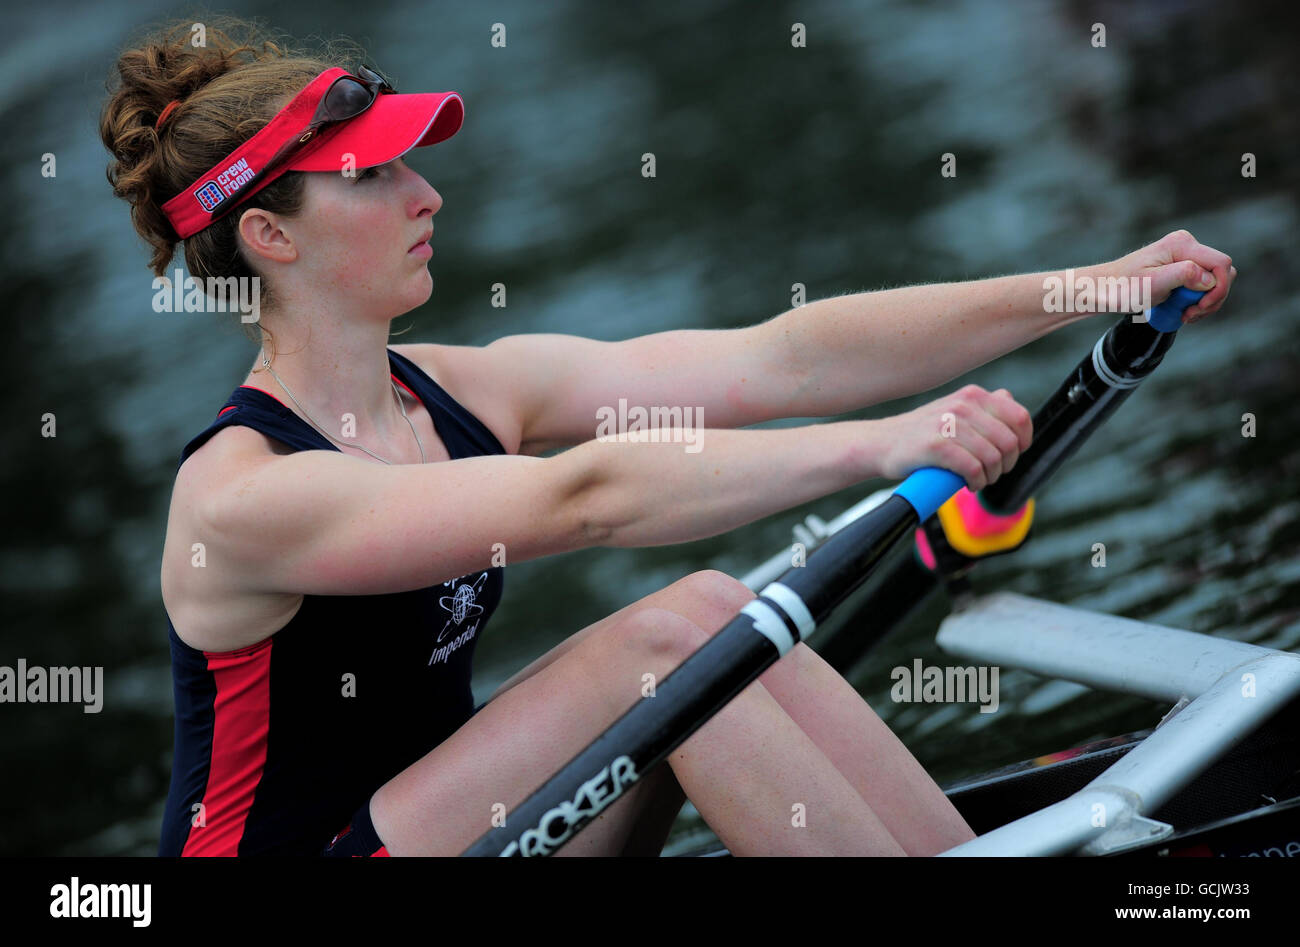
<point>334,541</point>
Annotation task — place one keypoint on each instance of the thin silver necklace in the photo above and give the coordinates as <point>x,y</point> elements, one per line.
<point>266,363</point>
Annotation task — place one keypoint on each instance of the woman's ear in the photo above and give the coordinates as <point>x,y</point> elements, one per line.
<point>264,235</point>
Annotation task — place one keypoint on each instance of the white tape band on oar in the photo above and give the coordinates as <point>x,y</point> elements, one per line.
<point>793,605</point>
<point>1104,371</point>
<point>770,625</point>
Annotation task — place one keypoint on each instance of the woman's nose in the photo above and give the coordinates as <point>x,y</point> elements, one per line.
<point>426,194</point>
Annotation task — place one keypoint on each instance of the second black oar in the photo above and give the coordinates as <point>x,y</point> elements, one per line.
<point>1123,357</point>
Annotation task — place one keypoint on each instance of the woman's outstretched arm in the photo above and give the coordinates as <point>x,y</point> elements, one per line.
<point>849,352</point>
<point>818,360</point>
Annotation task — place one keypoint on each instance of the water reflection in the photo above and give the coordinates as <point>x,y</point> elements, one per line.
<point>775,166</point>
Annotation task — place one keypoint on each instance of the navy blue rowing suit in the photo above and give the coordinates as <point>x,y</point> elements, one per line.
<point>279,743</point>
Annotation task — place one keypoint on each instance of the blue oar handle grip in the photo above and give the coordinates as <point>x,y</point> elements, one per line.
<point>1168,316</point>
<point>928,489</point>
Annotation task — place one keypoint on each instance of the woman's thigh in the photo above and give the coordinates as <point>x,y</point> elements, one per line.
<point>445,801</point>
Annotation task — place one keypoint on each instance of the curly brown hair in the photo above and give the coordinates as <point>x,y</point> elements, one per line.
<point>227,89</point>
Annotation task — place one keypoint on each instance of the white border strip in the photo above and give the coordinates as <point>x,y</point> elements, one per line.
<point>1106,374</point>
<point>790,600</point>
<point>770,625</point>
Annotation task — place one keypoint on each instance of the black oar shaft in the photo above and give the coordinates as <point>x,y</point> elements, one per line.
<point>901,585</point>
<point>1119,362</point>
<point>1125,355</point>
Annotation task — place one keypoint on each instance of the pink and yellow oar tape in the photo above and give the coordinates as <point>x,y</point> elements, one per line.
<point>973,531</point>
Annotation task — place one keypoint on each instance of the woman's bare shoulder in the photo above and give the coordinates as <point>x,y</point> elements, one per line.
<point>220,458</point>
<point>206,613</point>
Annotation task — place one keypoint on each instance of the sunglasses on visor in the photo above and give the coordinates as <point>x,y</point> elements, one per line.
<point>346,98</point>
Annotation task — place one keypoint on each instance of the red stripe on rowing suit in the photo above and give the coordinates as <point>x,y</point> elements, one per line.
<point>269,395</point>
<point>265,392</point>
<point>406,386</point>
<point>382,851</point>
<point>229,408</point>
<point>241,721</point>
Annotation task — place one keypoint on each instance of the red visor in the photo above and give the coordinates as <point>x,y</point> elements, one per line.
<point>388,129</point>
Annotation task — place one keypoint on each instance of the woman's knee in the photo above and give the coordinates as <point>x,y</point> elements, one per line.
<point>716,591</point>
<point>657,635</point>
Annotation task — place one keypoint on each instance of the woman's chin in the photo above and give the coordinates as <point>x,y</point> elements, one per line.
<point>423,289</point>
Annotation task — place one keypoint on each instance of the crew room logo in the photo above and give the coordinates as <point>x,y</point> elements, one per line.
<point>209,196</point>
<point>461,606</point>
<point>212,192</point>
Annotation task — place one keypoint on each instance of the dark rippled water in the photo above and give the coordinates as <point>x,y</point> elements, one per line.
<point>776,165</point>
